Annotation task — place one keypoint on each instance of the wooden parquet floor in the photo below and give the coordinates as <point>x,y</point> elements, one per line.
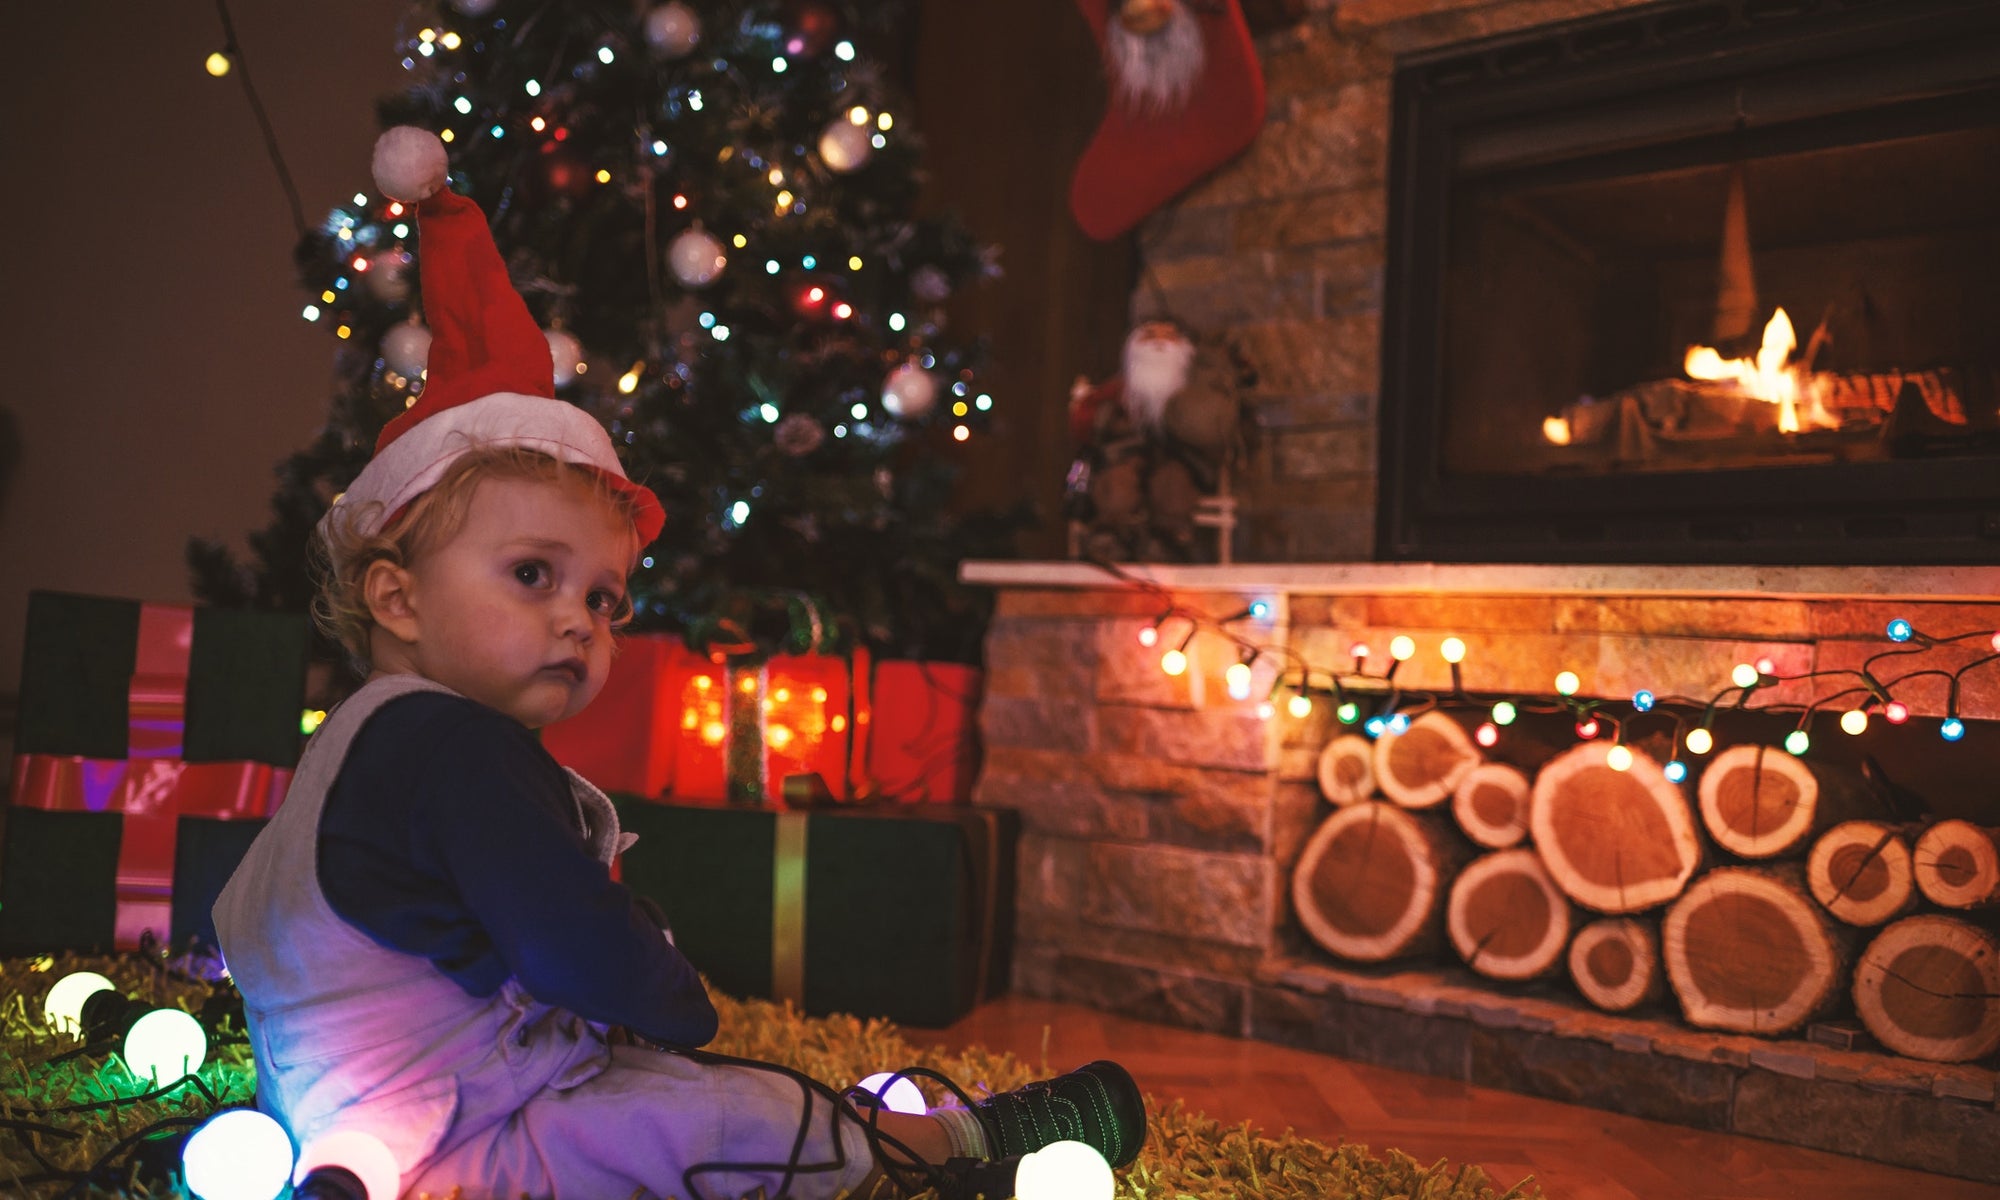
<point>1574,1153</point>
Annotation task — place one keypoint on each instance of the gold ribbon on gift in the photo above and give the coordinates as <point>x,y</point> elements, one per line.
<point>788,909</point>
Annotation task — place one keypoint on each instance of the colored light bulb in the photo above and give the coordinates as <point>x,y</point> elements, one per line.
<point>1266,711</point>
<point>1399,722</point>
<point>1767,666</point>
<point>1952,729</point>
<point>1359,650</point>
<point>1452,649</point>
<point>1402,647</point>
<point>1374,726</point>
<point>1642,700</point>
<point>1487,734</point>
<point>1300,705</point>
<point>1259,610</point>
<point>1587,729</point>
<point>1567,683</point>
<point>1676,771</point>
<point>1174,662</point>
<point>1237,678</point>
<point>1797,742</point>
<point>1853,721</point>
<point>239,1154</point>
<point>1349,712</point>
<point>360,1154</point>
<point>1504,713</point>
<point>1149,636</point>
<point>1700,741</point>
<point>1901,630</point>
<point>1618,758</point>
<point>1895,712</point>
<point>1744,675</point>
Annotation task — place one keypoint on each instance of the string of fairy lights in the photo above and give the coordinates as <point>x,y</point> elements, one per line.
<point>1372,700</point>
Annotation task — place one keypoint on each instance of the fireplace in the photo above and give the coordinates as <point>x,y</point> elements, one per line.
<point>1705,281</point>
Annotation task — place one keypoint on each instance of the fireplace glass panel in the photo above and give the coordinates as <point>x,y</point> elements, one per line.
<point>1575,293</point>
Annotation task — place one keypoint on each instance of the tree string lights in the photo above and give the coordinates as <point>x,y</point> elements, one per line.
<point>1377,704</point>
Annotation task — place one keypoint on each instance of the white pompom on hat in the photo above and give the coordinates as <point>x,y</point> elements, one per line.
<point>490,380</point>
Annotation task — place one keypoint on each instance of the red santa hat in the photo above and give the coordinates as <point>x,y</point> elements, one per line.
<point>490,380</point>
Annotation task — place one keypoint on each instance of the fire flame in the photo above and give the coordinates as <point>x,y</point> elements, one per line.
<point>1767,377</point>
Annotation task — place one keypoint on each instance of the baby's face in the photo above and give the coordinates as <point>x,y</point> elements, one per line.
<point>515,611</point>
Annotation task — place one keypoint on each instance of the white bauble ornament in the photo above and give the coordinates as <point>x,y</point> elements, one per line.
<point>567,355</point>
<point>475,8</point>
<point>388,276</point>
<point>696,257</point>
<point>673,30</point>
<point>910,392</point>
<point>845,146</point>
<point>406,349</point>
<point>409,163</point>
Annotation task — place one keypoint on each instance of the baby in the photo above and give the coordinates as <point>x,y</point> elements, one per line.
<point>427,938</point>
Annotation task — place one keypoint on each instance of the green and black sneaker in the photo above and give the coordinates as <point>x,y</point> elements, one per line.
<point>1096,1104</point>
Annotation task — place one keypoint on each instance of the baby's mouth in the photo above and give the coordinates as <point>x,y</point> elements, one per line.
<point>574,668</point>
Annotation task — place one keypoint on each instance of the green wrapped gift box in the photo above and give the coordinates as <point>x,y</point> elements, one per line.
<point>905,913</point>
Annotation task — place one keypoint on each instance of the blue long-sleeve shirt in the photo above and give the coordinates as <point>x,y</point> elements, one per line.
<point>451,834</point>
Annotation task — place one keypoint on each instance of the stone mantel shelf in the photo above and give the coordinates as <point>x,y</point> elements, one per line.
<point>1945,583</point>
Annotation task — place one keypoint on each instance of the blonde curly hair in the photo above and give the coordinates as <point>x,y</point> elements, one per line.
<point>341,557</point>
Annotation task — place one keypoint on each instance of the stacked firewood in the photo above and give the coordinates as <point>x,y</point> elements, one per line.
<point>1774,892</point>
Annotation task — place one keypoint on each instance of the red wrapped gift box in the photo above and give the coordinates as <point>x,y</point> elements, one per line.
<point>926,743</point>
<point>152,787</point>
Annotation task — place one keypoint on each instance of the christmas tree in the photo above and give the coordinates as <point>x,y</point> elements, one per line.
<point>710,209</point>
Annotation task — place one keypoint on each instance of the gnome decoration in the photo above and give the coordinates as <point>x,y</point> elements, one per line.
<point>1157,441</point>
<point>1187,95</point>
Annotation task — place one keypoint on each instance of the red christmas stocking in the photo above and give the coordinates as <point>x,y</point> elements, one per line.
<point>1187,95</point>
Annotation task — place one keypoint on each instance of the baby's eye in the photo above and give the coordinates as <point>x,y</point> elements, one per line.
<point>532,574</point>
<point>605,603</point>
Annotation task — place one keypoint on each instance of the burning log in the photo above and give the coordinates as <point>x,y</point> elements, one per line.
<point>1616,963</point>
<point>1371,883</point>
<point>1613,841</point>
<point>1419,767</point>
<point>1491,805</point>
<point>1929,987</point>
<point>1861,872</point>
<point>1760,803</point>
<point>1748,951</point>
<point>1506,918</point>
<point>1347,770</point>
<point>1958,864</point>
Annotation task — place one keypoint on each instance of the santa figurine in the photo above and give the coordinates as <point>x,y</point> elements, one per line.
<point>1156,443</point>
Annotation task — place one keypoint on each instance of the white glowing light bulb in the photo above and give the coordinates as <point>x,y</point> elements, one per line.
<point>1700,741</point>
<point>1567,683</point>
<point>1173,662</point>
<point>1402,647</point>
<point>1744,675</point>
<point>165,1045</point>
<point>1149,636</point>
<point>902,1096</point>
<point>1618,758</point>
<point>240,1154</point>
<point>1853,721</point>
<point>63,1009</point>
<point>1300,705</point>
<point>1063,1171</point>
<point>1452,649</point>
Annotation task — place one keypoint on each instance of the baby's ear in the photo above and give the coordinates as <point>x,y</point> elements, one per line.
<point>386,589</point>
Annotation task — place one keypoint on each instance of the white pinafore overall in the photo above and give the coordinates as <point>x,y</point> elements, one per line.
<point>499,1096</point>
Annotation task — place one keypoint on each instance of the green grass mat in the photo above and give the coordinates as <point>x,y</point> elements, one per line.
<point>1188,1156</point>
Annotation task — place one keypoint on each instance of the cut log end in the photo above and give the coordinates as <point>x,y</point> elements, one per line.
<point>1957,864</point>
<point>1347,770</point>
<point>1614,841</point>
<point>1860,871</point>
<point>1370,883</point>
<point>1506,918</point>
<point>1747,951</point>
<point>1491,805</point>
<point>1616,963</point>
<point>1929,986</point>
<point>1419,767</point>
<point>1760,802</point>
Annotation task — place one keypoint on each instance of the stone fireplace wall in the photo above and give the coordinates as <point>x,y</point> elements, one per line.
<point>1281,253</point>
<point>1162,819</point>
